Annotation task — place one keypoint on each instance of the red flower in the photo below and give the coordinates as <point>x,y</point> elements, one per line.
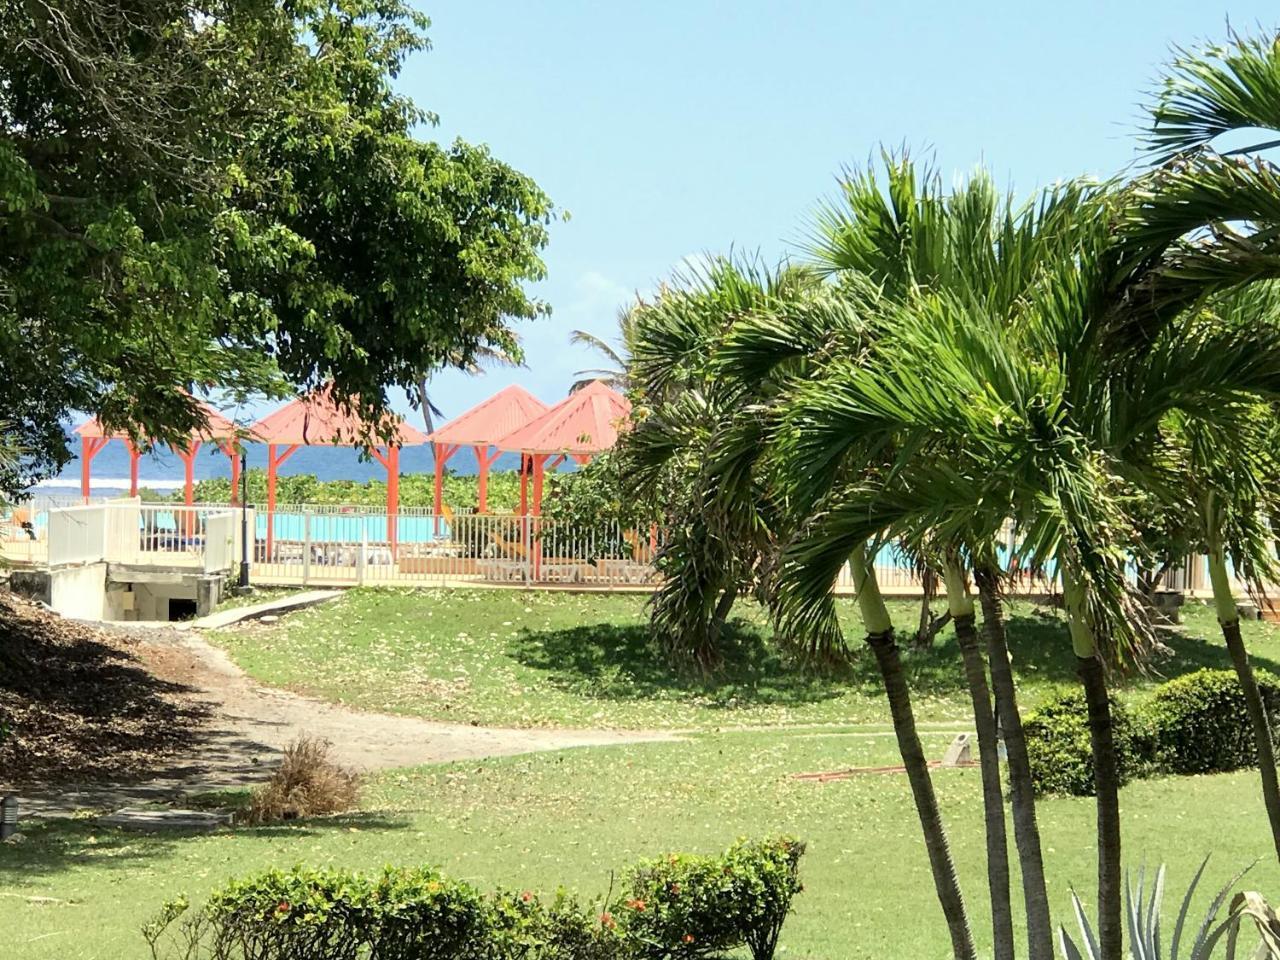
<point>527,896</point>
<point>282,906</point>
<point>606,920</point>
<point>636,905</point>
<point>688,938</point>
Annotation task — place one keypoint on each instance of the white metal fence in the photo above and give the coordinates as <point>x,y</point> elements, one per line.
<point>329,544</point>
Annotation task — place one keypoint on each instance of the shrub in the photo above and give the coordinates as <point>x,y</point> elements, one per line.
<point>299,914</point>
<point>684,906</point>
<point>307,784</point>
<point>1061,753</point>
<point>1200,723</point>
<point>419,914</point>
<point>525,927</point>
<point>679,907</point>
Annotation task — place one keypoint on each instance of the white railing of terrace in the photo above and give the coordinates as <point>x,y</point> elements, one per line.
<point>126,531</point>
<point>220,541</point>
<point>77,535</point>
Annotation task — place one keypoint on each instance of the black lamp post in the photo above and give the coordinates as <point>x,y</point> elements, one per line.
<point>244,520</point>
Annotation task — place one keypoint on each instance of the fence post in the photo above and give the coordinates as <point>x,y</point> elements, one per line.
<point>361,557</point>
<point>306,547</point>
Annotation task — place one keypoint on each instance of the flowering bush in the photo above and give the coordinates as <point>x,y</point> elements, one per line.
<point>684,906</point>
<point>523,926</point>
<point>404,914</point>
<point>678,906</point>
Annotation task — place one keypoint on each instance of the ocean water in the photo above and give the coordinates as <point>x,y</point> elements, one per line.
<point>162,470</point>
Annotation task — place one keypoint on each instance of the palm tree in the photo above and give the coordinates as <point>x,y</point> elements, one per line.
<point>908,238</point>
<point>501,354</point>
<point>616,356</point>
<point>1208,95</point>
<point>690,426</point>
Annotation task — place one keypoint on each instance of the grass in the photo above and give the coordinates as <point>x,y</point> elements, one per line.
<point>576,817</point>
<point>556,659</point>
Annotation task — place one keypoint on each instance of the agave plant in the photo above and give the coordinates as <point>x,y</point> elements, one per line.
<point>1143,907</point>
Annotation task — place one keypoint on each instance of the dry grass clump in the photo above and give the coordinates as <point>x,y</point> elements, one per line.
<point>308,784</point>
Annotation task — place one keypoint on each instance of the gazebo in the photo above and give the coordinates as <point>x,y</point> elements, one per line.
<point>583,424</point>
<point>218,430</point>
<point>316,420</point>
<point>480,428</point>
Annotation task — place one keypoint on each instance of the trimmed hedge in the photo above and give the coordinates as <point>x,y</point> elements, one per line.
<point>676,906</point>
<point>1200,723</point>
<point>1194,724</point>
<point>1060,751</point>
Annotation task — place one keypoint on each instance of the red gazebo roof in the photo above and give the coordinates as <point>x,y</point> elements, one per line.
<point>315,420</point>
<point>218,428</point>
<point>585,422</point>
<point>491,420</point>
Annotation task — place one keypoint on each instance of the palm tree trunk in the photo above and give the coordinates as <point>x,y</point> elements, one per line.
<point>875,617</point>
<point>960,604</point>
<point>720,615</point>
<point>1229,618</point>
<point>1106,769</point>
<point>426,406</point>
<point>1022,798</point>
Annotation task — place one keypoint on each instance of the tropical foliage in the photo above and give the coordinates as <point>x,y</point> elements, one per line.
<point>230,196</point>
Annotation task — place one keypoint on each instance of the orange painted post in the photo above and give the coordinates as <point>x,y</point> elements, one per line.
<point>393,498</point>
<point>482,485</point>
<point>539,465</point>
<point>524,485</point>
<point>188,457</point>
<point>89,447</point>
<point>271,498</point>
<point>230,451</point>
<point>134,457</point>
<point>441,452</point>
<point>438,502</point>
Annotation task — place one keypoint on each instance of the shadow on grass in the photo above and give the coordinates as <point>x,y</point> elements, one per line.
<point>1041,651</point>
<point>49,846</point>
<point>619,662</point>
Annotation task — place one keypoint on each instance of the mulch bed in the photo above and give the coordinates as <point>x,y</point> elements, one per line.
<point>78,706</point>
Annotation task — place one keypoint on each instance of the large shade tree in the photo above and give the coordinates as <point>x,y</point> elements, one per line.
<point>200,194</point>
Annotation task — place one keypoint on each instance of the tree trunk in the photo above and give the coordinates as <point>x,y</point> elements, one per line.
<point>961,606</point>
<point>1106,770</point>
<point>721,615</point>
<point>1106,776</point>
<point>1229,619</point>
<point>1022,798</point>
<point>880,638</point>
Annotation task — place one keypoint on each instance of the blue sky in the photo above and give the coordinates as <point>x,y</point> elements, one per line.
<point>672,128</point>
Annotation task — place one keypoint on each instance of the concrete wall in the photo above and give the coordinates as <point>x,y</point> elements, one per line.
<point>79,592</point>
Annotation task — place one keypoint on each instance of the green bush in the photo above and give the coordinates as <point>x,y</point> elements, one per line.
<point>525,927</point>
<point>680,906</point>
<point>1200,723</point>
<point>404,914</point>
<point>419,914</point>
<point>684,906</point>
<point>1060,751</point>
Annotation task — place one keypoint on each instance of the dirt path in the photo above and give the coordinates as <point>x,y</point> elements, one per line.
<point>250,723</point>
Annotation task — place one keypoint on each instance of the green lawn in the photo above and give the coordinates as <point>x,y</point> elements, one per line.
<point>536,659</point>
<point>74,891</point>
